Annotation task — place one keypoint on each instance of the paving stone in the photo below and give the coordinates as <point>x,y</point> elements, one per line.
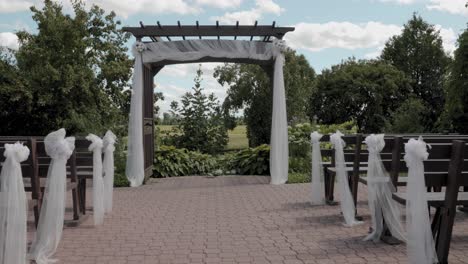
<point>230,219</point>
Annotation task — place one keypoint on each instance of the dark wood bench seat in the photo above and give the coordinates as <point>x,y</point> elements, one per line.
<point>434,199</point>
<point>402,181</point>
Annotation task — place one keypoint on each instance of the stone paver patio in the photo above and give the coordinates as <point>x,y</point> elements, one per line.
<point>230,219</point>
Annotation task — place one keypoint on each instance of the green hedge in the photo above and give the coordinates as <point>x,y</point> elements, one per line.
<point>170,161</point>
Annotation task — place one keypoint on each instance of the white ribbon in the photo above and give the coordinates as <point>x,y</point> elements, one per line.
<point>420,243</point>
<point>317,184</point>
<point>380,189</point>
<point>108,166</point>
<point>50,227</point>
<point>13,206</point>
<point>98,181</point>
<point>346,199</point>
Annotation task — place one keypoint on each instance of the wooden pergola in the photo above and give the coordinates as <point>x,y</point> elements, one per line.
<point>159,33</point>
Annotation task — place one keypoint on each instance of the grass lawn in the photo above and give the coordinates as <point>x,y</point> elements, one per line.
<point>237,137</point>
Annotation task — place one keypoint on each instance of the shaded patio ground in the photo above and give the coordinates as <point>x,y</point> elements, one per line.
<point>230,219</point>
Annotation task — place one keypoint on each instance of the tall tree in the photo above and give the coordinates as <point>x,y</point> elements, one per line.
<point>419,53</point>
<point>250,89</point>
<point>364,91</point>
<point>201,121</point>
<point>455,117</point>
<point>75,70</point>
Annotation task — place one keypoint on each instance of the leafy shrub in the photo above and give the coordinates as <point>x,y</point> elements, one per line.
<point>120,159</point>
<point>171,161</point>
<point>252,161</point>
<point>299,165</point>
<point>295,177</point>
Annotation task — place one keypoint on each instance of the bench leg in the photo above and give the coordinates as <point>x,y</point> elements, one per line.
<point>37,212</point>
<point>330,199</point>
<point>76,203</point>
<point>82,195</point>
<point>445,234</point>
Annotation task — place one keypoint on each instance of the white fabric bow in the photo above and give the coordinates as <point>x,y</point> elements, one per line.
<point>420,243</point>
<point>49,230</point>
<point>13,206</point>
<point>380,189</point>
<point>98,182</point>
<point>108,166</point>
<point>317,184</point>
<point>347,204</point>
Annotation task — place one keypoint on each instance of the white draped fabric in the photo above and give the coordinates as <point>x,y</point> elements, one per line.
<point>420,244</point>
<point>50,226</point>
<point>191,50</point>
<point>108,167</point>
<point>380,189</point>
<point>346,199</point>
<point>134,169</point>
<point>13,206</point>
<point>98,181</point>
<point>317,183</point>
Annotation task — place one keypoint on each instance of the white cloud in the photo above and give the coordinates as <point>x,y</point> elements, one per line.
<point>261,8</point>
<point>223,4</point>
<point>11,6</point>
<point>451,6</point>
<point>449,38</point>
<point>126,8</point>
<point>345,35</point>
<point>401,2</point>
<point>9,40</point>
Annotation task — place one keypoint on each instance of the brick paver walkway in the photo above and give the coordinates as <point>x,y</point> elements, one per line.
<point>238,219</point>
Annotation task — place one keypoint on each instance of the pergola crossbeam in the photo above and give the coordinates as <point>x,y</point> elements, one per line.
<point>264,32</point>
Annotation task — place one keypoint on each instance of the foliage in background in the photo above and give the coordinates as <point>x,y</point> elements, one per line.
<point>364,91</point>
<point>250,89</point>
<point>170,161</point>
<point>408,118</point>
<point>120,158</point>
<point>418,52</point>
<point>70,74</point>
<point>455,116</point>
<point>252,161</point>
<point>201,123</point>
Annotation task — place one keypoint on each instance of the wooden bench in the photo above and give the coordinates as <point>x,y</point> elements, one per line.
<point>35,173</point>
<point>444,173</point>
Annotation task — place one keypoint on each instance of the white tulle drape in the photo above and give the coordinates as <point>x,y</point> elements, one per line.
<point>50,226</point>
<point>134,169</point>
<point>108,167</point>
<point>380,188</point>
<point>420,244</point>
<point>191,50</point>
<point>346,199</point>
<point>98,180</point>
<point>13,206</point>
<point>317,183</point>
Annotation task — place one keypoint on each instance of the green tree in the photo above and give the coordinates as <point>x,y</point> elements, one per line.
<point>250,89</point>
<point>408,117</point>
<point>74,70</point>
<point>419,53</point>
<point>455,116</point>
<point>201,120</point>
<point>364,91</point>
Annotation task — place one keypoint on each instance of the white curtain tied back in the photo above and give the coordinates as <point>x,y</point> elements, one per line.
<point>13,206</point>
<point>380,188</point>
<point>108,167</point>
<point>189,51</point>
<point>98,181</point>
<point>317,183</point>
<point>50,226</point>
<point>420,243</point>
<point>346,199</point>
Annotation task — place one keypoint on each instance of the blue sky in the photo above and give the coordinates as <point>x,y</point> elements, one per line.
<point>327,32</point>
